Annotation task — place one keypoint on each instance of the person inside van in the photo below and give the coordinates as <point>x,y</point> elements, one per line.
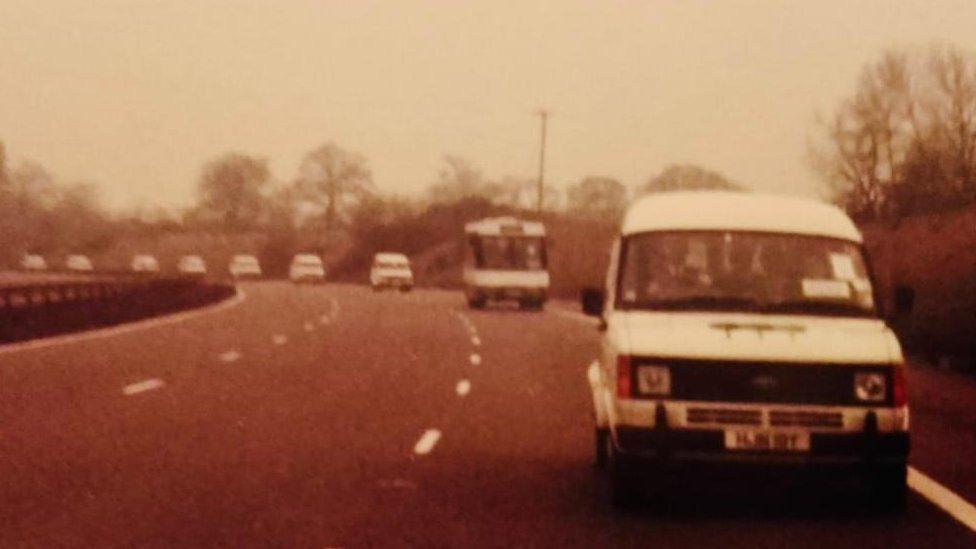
<point>738,276</point>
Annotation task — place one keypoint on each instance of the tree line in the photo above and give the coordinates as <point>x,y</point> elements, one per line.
<point>904,142</point>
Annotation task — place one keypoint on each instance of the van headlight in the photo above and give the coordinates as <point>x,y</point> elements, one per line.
<point>871,386</point>
<point>653,379</point>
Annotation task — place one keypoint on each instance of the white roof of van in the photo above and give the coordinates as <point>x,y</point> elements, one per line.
<point>505,225</point>
<point>307,257</point>
<point>391,257</point>
<point>737,211</point>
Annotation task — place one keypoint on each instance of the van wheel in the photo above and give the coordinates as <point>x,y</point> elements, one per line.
<point>601,437</point>
<point>477,302</point>
<point>889,488</point>
<point>624,488</point>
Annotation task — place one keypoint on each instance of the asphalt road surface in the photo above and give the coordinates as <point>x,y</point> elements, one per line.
<point>331,416</point>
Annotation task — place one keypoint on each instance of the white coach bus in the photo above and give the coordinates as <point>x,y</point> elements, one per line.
<point>505,259</point>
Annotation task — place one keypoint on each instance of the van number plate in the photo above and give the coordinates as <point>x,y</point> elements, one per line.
<point>767,441</point>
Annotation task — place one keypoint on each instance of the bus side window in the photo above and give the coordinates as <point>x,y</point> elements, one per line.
<point>476,251</point>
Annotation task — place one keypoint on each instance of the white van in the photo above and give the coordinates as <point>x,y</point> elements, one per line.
<point>391,270</point>
<point>79,263</point>
<point>192,265</point>
<point>144,263</point>
<point>244,266</point>
<point>505,259</point>
<point>306,268</point>
<point>743,330</point>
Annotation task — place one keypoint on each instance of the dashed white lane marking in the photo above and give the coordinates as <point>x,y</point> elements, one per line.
<point>475,359</point>
<point>397,484</point>
<point>230,356</point>
<point>427,442</point>
<point>463,387</point>
<point>136,326</point>
<point>335,308</point>
<point>279,339</point>
<point>476,341</point>
<point>325,319</point>
<point>309,327</point>
<point>142,386</point>
<point>944,498</point>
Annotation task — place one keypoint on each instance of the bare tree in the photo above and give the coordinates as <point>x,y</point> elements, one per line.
<point>952,103</point>
<point>599,197</point>
<point>905,141</point>
<point>231,189</point>
<point>330,174</point>
<point>458,179</point>
<point>683,177</point>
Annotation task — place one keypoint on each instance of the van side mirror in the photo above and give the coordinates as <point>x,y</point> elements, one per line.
<point>904,300</point>
<point>592,300</point>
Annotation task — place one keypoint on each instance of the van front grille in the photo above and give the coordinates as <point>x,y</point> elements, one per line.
<point>789,418</point>
<point>724,416</point>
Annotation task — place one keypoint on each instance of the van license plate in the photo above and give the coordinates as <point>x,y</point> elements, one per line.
<point>767,441</point>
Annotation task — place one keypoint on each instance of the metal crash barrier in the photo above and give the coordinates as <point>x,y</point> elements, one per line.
<point>29,311</point>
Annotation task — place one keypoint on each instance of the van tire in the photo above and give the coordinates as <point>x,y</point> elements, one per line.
<point>889,488</point>
<point>624,488</point>
<point>601,438</point>
<point>477,302</point>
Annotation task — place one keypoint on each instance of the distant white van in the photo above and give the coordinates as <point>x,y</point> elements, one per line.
<point>245,266</point>
<point>192,265</point>
<point>391,270</point>
<point>144,263</point>
<point>743,330</point>
<point>306,268</point>
<point>79,263</point>
<point>33,262</point>
<point>505,259</point>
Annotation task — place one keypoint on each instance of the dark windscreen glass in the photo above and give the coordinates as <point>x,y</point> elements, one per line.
<point>745,271</point>
<point>510,252</point>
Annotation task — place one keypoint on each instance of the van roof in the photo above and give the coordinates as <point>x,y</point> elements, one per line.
<point>737,211</point>
<point>506,225</point>
<point>391,257</point>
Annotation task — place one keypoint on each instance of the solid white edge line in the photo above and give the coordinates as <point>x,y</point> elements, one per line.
<point>309,327</point>
<point>110,331</point>
<point>475,359</point>
<point>279,339</point>
<point>427,442</point>
<point>142,386</point>
<point>463,387</point>
<point>476,341</point>
<point>947,500</point>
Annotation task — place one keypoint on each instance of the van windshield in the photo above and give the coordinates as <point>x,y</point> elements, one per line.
<point>739,271</point>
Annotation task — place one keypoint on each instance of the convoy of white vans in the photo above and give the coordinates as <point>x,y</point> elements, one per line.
<point>738,330</point>
<point>744,330</point>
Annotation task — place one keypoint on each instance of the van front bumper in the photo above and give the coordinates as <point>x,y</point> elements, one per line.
<point>708,446</point>
<point>516,293</point>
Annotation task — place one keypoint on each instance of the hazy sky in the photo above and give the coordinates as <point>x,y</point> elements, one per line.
<point>134,95</point>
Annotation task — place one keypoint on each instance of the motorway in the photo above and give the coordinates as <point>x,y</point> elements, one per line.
<point>330,416</point>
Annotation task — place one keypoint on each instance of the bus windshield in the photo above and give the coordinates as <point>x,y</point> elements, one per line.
<point>518,253</point>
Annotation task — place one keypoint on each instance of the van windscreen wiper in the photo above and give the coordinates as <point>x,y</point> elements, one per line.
<point>701,302</point>
<point>809,306</point>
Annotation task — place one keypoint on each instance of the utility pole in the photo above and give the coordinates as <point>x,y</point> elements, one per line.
<point>544,115</point>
